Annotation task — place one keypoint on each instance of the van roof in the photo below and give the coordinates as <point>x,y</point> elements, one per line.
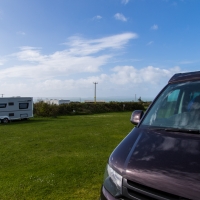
<point>183,77</point>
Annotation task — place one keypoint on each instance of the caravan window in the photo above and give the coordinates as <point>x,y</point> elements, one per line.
<point>23,105</point>
<point>3,105</point>
<point>11,103</point>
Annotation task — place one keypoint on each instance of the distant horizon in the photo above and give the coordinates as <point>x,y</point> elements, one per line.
<point>106,99</point>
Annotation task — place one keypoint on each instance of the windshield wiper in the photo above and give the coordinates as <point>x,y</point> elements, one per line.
<point>192,131</point>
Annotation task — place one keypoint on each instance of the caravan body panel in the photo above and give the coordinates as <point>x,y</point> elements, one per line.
<point>16,108</point>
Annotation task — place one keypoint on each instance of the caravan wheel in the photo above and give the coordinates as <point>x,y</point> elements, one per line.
<point>5,120</point>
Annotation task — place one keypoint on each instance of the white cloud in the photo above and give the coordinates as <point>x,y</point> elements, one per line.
<point>21,33</point>
<point>150,75</point>
<point>72,71</point>
<point>71,84</point>
<point>121,17</point>
<point>30,53</point>
<point>2,61</point>
<point>154,27</point>
<point>81,56</point>
<point>58,64</point>
<point>97,17</point>
<point>79,46</point>
<point>123,81</point>
<point>150,43</point>
<point>186,62</point>
<point>125,1</point>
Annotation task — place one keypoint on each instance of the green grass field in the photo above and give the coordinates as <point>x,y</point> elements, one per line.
<point>58,158</point>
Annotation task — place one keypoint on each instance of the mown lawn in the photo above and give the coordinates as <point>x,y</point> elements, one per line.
<point>58,158</point>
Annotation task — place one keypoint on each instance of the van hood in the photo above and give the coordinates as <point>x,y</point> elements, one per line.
<point>165,161</point>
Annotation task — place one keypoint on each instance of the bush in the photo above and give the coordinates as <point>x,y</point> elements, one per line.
<point>45,110</point>
<point>52,110</point>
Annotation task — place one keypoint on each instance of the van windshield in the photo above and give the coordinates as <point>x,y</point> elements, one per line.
<point>178,106</point>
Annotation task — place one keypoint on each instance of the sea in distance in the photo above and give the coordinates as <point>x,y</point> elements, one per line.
<point>100,99</point>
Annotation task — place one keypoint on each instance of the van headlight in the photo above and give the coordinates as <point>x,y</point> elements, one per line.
<point>112,181</point>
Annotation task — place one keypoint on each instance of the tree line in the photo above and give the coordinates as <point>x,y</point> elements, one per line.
<point>44,109</point>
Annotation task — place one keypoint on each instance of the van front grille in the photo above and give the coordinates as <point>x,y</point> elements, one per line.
<point>136,191</point>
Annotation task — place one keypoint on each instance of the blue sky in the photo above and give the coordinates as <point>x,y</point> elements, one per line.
<point>59,48</point>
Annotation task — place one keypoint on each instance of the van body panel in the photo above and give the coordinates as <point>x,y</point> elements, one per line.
<point>161,160</point>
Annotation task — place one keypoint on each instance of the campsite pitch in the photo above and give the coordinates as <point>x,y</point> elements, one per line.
<point>58,158</point>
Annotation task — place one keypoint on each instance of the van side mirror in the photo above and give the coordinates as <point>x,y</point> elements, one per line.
<point>136,116</point>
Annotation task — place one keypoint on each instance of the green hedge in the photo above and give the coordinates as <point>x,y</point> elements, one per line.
<point>52,110</point>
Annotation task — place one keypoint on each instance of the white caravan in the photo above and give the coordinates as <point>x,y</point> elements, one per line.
<point>13,108</point>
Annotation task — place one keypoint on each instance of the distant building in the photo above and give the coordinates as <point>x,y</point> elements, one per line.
<point>57,101</point>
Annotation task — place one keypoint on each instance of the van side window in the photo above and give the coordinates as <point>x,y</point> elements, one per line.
<point>193,95</point>
<point>167,107</point>
<point>23,105</point>
<point>11,103</point>
<point>3,105</point>
<point>172,97</point>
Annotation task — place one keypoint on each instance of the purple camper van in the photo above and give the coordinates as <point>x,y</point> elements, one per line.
<point>160,158</point>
